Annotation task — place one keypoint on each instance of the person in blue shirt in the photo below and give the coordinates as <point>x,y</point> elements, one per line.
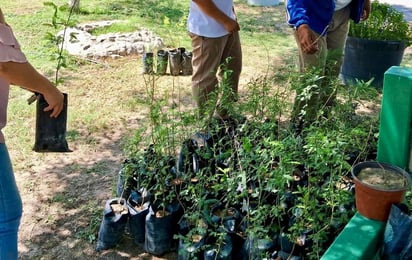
<point>320,29</point>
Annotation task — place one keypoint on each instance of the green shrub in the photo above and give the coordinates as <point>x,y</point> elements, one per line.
<point>384,23</point>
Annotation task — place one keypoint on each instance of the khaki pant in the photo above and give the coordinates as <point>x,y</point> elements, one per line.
<point>328,59</point>
<point>208,56</point>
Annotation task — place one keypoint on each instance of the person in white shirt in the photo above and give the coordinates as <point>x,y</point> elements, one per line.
<point>214,33</point>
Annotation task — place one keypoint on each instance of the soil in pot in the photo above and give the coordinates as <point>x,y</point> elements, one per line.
<point>381,178</point>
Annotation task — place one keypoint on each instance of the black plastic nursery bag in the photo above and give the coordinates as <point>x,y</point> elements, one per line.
<point>113,225</point>
<point>398,235</point>
<point>188,248</point>
<point>50,132</point>
<point>221,251</point>
<point>160,230</point>
<point>138,209</point>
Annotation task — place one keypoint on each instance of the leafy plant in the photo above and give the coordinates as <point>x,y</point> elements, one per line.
<point>57,40</point>
<point>384,23</point>
<point>281,186</point>
<point>286,186</point>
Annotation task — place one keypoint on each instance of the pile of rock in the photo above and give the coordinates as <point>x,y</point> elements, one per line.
<point>80,42</point>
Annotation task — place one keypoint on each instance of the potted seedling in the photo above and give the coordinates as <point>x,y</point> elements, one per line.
<point>51,132</point>
<point>376,44</point>
<point>115,217</point>
<point>138,204</point>
<point>378,186</point>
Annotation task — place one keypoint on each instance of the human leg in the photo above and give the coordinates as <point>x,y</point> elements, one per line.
<point>206,59</point>
<point>306,103</point>
<point>336,38</point>
<point>229,74</point>
<point>10,208</point>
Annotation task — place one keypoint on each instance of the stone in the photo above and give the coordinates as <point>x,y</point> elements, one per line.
<point>80,42</point>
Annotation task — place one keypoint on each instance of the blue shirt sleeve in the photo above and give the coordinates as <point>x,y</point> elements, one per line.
<point>296,13</point>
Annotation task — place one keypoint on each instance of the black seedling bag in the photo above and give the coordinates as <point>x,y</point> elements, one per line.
<point>112,226</point>
<point>50,132</point>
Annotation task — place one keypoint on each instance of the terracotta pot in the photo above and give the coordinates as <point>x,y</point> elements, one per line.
<point>374,201</point>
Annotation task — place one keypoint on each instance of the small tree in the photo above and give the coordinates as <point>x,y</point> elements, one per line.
<point>74,5</point>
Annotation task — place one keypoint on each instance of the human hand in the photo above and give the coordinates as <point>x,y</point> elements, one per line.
<point>307,39</point>
<point>366,10</point>
<point>231,26</point>
<point>55,101</point>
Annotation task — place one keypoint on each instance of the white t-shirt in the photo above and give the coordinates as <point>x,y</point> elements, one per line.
<point>201,24</point>
<point>339,4</point>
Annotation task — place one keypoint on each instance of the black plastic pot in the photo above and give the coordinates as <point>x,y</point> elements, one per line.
<point>221,251</point>
<point>187,251</point>
<point>187,68</point>
<point>113,225</point>
<point>365,59</point>
<point>50,132</point>
<point>147,63</point>
<point>161,62</point>
<point>238,249</point>
<point>161,229</point>
<point>259,248</point>
<point>227,218</point>
<point>175,62</point>
<point>193,149</point>
<point>288,249</point>
<point>192,240</point>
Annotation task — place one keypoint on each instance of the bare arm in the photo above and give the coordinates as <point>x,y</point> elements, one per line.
<point>307,39</point>
<point>2,20</point>
<point>24,75</point>
<point>210,9</point>
<point>366,10</point>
